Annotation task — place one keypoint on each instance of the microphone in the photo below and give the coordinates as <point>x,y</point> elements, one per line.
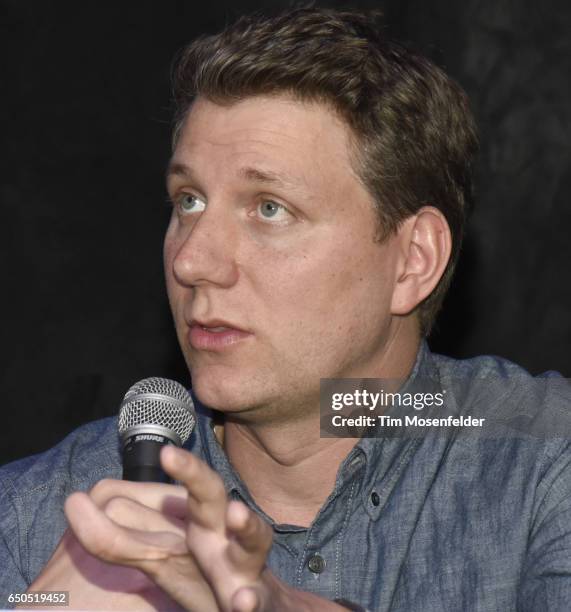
<point>154,412</point>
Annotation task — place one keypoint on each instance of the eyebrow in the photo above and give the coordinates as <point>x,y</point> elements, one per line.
<point>249,173</point>
<point>175,169</point>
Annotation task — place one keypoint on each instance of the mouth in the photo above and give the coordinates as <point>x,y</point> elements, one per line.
<point>215,335</point>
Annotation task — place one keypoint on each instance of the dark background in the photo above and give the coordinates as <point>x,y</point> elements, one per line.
<point>85,111</point>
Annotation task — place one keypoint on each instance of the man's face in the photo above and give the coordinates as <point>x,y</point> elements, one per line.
<point>272,271</point>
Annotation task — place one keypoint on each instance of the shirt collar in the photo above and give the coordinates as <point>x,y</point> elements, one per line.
<point>212,451</point>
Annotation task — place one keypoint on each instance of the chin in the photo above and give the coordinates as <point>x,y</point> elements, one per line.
<point>219,390</point>
<point>233,390</point>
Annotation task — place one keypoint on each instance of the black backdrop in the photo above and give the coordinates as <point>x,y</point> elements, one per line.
<point>85,108</point>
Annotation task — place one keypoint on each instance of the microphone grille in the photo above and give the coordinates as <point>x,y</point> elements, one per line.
<point>158,401</point>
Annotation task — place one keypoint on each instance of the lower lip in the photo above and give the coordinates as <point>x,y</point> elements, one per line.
<point>203,339</point>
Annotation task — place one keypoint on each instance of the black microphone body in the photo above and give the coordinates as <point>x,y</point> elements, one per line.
<point>141,458</point>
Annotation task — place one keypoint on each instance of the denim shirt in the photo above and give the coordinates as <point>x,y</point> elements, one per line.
<point>433,523</point>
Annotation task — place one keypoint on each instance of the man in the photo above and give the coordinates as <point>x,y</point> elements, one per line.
<point>320,181</point>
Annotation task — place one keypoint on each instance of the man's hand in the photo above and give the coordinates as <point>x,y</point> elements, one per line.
<point>205,552</point>
<point>229,542</point>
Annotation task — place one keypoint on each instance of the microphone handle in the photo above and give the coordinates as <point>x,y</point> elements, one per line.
<point>141,459</point>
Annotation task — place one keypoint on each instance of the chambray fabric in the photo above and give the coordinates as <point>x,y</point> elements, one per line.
<point>440,523</point>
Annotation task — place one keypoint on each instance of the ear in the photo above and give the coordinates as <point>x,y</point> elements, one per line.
<point>425,243</point>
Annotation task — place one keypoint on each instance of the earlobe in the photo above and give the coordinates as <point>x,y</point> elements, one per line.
<point>426,244</point>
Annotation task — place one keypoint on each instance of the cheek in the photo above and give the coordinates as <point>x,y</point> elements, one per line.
<point>334,292</point>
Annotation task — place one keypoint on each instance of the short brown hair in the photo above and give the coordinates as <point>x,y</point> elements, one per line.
<point>414,135</point>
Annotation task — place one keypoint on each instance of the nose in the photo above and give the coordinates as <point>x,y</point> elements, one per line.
<point>204,250</point>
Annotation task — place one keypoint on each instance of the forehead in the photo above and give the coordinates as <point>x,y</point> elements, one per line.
<point>274,134</point>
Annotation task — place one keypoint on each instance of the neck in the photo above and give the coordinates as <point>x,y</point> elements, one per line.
<point>288,468</point>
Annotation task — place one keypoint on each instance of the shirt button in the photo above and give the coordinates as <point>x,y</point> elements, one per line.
<point>375,499</point>
<point>316,564</point>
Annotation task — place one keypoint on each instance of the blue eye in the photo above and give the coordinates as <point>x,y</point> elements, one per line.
<point>268,209</point>
<point>190,203</point>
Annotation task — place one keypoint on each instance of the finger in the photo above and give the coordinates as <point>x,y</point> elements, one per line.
<point>207,499</point>
<point>129,513</point>
<point>248,599</point>
<point>113,543</point>
<point>252,537</point>
<point>249,529</point>
<point>170,499</point>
